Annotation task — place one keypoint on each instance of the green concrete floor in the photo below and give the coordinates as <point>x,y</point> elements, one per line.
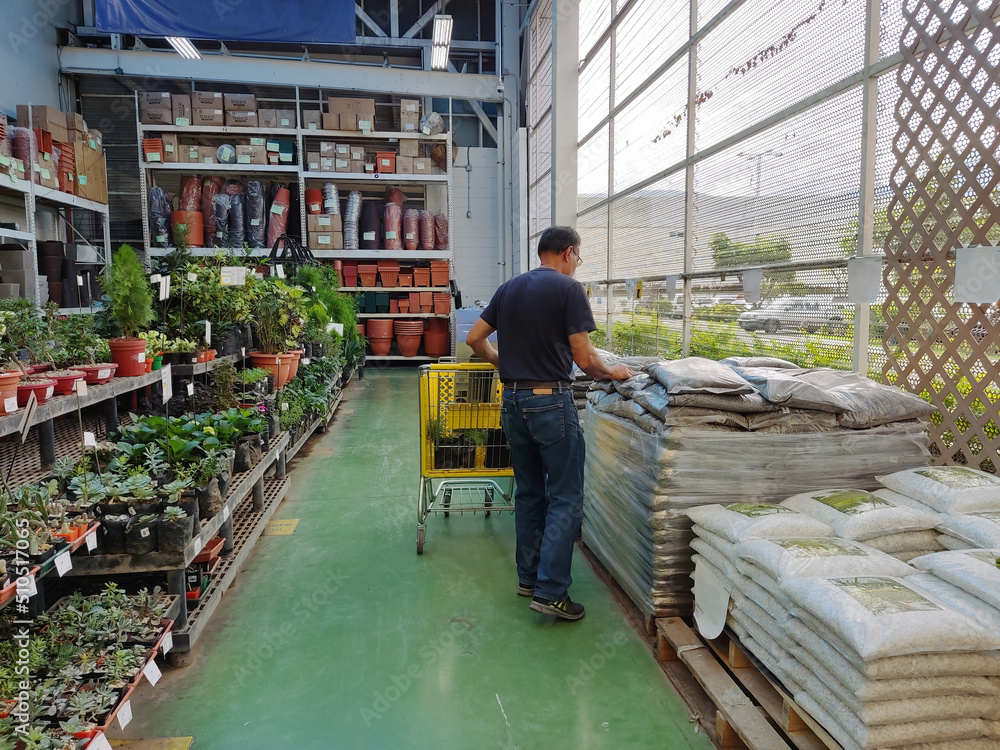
<point>340,636</point>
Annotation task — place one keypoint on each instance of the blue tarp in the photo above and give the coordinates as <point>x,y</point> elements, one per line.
<point>321,21</point>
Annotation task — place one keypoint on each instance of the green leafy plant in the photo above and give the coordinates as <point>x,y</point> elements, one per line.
<point>129,291</point>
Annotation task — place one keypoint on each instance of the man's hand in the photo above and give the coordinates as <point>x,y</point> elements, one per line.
<point>621,372</point>
<point>478,339</point>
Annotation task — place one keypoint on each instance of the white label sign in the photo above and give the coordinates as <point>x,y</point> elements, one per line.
<point>190,389</point>
<point>143,533</point>
<point>103,374</point>
<point>233,276</point>
<point>64,563</point>
<point>32,586</point>
<point>208,332</point>
<point>89,440</point>
<point>100,742</point>
<point>167,643</point>
<point>91,542</point>
<point>164,288</point>
<point>338,327</point>
<point>152,672</point>
<point>125,714</point>
<point>167,383</point>
<point>81,387</point>
<point>10,404</point>
<point>192,277</point>
<point>29,413</point>
<point>197,543</point>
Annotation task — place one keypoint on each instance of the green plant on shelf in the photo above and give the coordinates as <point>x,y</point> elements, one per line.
<point>128,288</point>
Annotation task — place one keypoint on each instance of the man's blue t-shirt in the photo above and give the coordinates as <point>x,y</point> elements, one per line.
<point>534,315</point>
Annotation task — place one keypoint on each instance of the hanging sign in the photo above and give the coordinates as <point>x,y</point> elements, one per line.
<point>977,275</point>
<point>752,279</point>
<point>864,280</point>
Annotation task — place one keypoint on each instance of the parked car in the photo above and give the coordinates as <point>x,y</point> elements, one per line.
<point>796,313</point>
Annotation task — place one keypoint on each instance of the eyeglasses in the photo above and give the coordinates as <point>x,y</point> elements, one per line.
<point>579,260</point>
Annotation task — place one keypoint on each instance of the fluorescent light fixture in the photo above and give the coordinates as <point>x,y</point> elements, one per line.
<point>439,58</point>
<point>441,42</point>
<point>442,31</point>
<point>184,47</point>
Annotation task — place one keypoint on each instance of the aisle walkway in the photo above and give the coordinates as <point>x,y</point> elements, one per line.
<point>340,636</point>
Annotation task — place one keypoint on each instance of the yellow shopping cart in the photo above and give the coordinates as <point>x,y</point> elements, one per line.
<point>464,457</point>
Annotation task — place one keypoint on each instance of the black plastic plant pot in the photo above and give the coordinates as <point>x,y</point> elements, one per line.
<point>270,385</point>
<point>319,350</point>
<point>149,508</point>
<point>174,534</point>
<point>308,349</point>
<point>113,535</point>
<point>188,502</point>
<point>141,536</point>
<point>209,499</point>
<point>112,509</point>
<point>223,480</point>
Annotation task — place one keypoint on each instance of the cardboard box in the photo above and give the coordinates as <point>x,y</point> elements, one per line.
<point>409,115</point>
<point>328,223</point>
<point>239,102</point>
<point>370,167</point>
<point>206,100</point>
<point>404,165</point>
<point>357,166</point>
<point>325,240</point>
<point>206,155</point>
<point>76,126</point>
<point>268,118</point>
<point>326,164</point>
<point>409,147</point>
<point>47,174</point>
<point>181,109</point>
<point>171,147</point>
<point>421,165</point>
<point>156,117</point>
<point>154,100</point>
<point>331,121</point>
<point>342,105</point>
<point>91,174</point>
<point>312,119</point>
<point>203,117</point>
<point>342,151</point>
<point>348,121</point>
<point>328,149</point>
<point>241,119</point>
<point>341,165</point>
<point>409,125</point>
<point>250,155</point>
<point>286,118</point>
<point>189,155</point>
<point>357,153</point>
<point>312,161</point>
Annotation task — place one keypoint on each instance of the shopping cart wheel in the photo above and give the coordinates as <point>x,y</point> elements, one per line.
<point>488,500</point>
<point>446,501</point>
<point>420,541</point>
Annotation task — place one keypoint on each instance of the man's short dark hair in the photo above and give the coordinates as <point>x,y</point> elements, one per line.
<point>557,239</point>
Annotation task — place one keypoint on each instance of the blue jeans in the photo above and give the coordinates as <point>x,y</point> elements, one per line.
<point>547,453</point>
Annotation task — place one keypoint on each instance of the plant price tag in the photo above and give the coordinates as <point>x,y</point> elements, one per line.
<point>155,278</point>
<point>167,383</point>
<point>91,542</point>
<point>125,714</point>
<point>152,672</point>
<point>233,276</point>
<point>81,387</point>
<point>167,643</point>
<point>208,332</point>
<point>164,288</point>
<point>284,406</point>
<point>306,361</point>
<point>338,327</point>
<point>100,742</point>
<point>28,416</point>
<point>192,277</point>
<point>32,586</point>
<point>64,563</point>
<point>190,389</point>
<point>79,280</point>
<point>280,271</point>
<point>89,440</point>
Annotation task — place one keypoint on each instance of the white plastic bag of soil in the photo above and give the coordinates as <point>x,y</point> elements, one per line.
<point>859,515</point>
<point>947,489</point>
<point>740,522</point>
<point>972,570</point>
<point>907,541</point>
<point>789,558</point>
<point>698,375</point>
<point>880,617</point>
<point>903,501</point>
<point>980,529</point>
<point>961,601</point>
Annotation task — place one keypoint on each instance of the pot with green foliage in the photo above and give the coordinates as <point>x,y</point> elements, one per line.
<point>131,306</point>
<point>174,529</point>
<point>141,535</point>
<point>113,534</point>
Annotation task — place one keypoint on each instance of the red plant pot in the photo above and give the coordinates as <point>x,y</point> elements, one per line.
<point>97,374</point>
<point>8,391</point>
<point>360,328</point>
<point>379,328</point>
<point>380,346</point>
<point>129,355</point>
<point>409,344</point>
<point>421,277</point>
<point>293,368</point>
<point>43,390</point>
<point>35,369</point>
<point>66,383</point>
<point>436,343</point>
<point>269,362</point>
<point>287,360</point>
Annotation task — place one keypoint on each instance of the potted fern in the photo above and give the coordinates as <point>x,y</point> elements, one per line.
<point>132,307</point>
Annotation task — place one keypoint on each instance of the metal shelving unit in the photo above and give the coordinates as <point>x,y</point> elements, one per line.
<point>35,196</point>
<point>438,196</point>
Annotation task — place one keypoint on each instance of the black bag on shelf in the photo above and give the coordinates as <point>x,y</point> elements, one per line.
<point>371,226</point>
<point>222,204</point>
<point>256,220</point>
<point>237,221</point>
<point>159,218</point>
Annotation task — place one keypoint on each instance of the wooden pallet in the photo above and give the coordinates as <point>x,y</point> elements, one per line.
<point>722,666</point>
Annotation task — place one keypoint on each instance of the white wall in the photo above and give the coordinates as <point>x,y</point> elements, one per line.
<point>28,53</point>
<point>476,239</point>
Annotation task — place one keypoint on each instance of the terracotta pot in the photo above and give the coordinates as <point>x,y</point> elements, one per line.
<point>43,390</point>
<point>409,344</point>
<point>8,391</point>
<point>314,200</point>
<point>129,355</point>
<point>436,343</point>
<point>379,328</point>
<point>194,222</point>
<point>269,362</point>
<point>380,346</point>
<point>97,374</point>
<point>66,383</point>
<point>351,275</point>
<point>294,366</point>
<point>361,328</point>
<point>287,360</point>
<point>149,364</point>
<point>421,277</point>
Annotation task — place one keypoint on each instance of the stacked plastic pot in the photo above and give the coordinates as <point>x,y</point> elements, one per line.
<point>408,336</point>
<point>379,336</point>
<point>437,338</point>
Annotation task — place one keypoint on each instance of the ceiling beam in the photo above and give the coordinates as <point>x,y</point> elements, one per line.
<point>425,19</point>
<point>478,109</point>
<point>367,21</point>
<point>394,18</point>
<point>166,66</point>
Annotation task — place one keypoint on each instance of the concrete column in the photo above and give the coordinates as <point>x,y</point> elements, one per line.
<point>565,108</point>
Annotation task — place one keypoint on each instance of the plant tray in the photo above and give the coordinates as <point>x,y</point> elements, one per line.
<point>210,551</point>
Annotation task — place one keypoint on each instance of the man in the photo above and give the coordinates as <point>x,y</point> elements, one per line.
<point>543,322</point>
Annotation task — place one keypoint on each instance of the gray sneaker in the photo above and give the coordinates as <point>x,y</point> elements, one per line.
<point>565,609</point>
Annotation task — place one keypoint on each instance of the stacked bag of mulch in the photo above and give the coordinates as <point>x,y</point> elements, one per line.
<point>881,653</point>
<point>691,432</point>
